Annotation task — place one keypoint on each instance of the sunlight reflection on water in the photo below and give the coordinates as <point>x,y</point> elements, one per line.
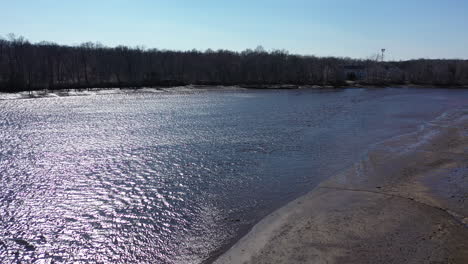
<point>150,178</point>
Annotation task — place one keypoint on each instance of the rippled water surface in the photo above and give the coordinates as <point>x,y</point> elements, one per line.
<point>175,178</point>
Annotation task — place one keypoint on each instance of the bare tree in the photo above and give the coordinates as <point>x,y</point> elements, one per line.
<point>45,65</point>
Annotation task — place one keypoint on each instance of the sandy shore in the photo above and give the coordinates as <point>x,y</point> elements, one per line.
<point>405,202</point>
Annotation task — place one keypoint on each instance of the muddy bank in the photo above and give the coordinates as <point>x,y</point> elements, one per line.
<point>44,93</point>
<point>405,202</point>
<point>107,91</point>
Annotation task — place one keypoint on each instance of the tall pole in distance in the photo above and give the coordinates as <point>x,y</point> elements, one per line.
<point>383,53</point>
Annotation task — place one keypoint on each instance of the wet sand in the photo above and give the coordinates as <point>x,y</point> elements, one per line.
<point>405,202</point>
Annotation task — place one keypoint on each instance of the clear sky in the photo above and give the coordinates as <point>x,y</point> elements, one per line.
<point>353,28</point>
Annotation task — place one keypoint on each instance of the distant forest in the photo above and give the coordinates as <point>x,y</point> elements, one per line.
<point>31,66</point>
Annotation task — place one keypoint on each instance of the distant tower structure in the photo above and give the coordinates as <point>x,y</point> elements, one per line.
<point>383,54</point>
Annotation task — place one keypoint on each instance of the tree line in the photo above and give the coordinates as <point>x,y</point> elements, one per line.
<point>31,66</point>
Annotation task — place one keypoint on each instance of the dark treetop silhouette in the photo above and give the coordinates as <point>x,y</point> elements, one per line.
<point>27,66</point>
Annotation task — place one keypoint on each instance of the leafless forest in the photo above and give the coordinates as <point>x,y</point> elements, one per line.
<point>32,66</point>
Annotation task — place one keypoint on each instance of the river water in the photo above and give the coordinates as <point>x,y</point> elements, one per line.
<point>178,177</point>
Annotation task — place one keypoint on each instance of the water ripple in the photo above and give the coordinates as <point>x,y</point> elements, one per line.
<point>151,178</point>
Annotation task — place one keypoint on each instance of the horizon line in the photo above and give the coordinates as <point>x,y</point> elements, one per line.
<point>14,36</point>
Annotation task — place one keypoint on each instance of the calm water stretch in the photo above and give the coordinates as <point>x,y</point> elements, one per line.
<point>177,178</point>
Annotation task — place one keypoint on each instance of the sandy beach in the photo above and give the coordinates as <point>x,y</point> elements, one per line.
<point>404,202</point>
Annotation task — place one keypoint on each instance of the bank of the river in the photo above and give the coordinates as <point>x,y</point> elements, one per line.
<point>405,202</point>
<point>198,88</point>
<point>107,91</point>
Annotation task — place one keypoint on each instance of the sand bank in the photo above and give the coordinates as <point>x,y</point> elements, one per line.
<point>405,202</point>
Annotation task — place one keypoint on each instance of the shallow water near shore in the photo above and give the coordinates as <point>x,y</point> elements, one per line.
<point>175,178</point>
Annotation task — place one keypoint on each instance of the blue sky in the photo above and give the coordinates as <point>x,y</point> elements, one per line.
<point>353,28</point>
